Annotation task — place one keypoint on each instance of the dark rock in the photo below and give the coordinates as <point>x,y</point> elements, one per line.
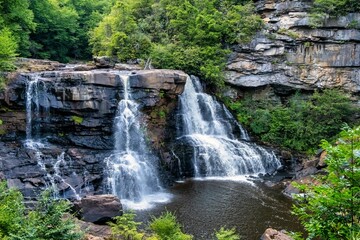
<point>272,234</point>
<point>290,189</point>
<point>286,155</point>
<point>99,208</point>
<point>306,172</point>
<point>104,62</point>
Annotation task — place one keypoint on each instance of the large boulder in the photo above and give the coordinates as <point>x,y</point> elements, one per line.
<point>104,62</point>
<point>98,209</point>
<point>160,79</point>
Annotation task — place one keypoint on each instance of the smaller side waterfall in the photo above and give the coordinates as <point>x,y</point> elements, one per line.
<point>209,128</point>
<point>36,111</point>
<point>132,167</point>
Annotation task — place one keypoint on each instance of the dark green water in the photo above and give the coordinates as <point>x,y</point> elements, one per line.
<point>203,206</point>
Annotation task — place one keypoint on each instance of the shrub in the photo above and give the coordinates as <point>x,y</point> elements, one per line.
<point>77,120</point>
<point>126,227</point>
<point>47,221</point>
<point>167,228</point>
<point>8,48</point>
<point>331,209</point>
<point>227,234</point>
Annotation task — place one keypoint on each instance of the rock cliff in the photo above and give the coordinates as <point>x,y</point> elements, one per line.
<point>289,54</point>
<point>74,120</point>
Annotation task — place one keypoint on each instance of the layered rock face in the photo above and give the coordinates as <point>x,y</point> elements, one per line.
<point>290,54</point>
<point>76,111</point>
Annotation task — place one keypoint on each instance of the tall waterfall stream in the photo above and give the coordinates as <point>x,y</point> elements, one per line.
<point>132,168</point>
<point>35,93</point>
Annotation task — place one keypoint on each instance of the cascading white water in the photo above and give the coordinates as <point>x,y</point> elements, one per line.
<point>32,104</point>
<point>35,91</point>
<point>208,126</point>
<point>132,167</point>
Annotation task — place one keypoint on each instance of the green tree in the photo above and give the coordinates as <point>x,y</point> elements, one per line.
<point>17,18</point>
<point>331,208</point>
<point>90,13</point>
<point>8,48</point>
<point>11,211</point>
<point>57,24</point>
<point>46,222</point>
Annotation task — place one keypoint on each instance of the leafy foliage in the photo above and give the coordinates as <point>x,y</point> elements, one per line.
<point>167,228</point>
<point>17,18</point>
<point>126,227</point>
<point>54,29</point>
<point>227,234</point>
<point>324,9</point>
<point>8,48</point>
<point>188,35</point>
<point>11,211</point>
<point>46,221</point>
<point>331,209</point>
<point>301,123</point>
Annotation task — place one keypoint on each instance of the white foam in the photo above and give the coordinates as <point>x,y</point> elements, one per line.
<point>237,178</point>
<point>148,201</point>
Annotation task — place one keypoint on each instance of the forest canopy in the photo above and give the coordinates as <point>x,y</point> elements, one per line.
<point>191,35</point>
<point>180,34</point>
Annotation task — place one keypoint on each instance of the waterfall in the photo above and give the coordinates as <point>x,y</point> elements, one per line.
<point>208,127</point>
<point>132,167</point>
<point>35,96</point>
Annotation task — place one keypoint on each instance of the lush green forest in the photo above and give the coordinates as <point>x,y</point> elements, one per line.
<point>299,124</point>
<point>188,35</point>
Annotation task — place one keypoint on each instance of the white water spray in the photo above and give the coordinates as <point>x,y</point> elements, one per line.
<point>208,128</point>
<point>132,167</point>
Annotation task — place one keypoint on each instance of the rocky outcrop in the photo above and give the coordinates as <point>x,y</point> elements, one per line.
<point>290,54</point>
<point>98,209</point>
<point>74,119</point>
<point>272,234</point>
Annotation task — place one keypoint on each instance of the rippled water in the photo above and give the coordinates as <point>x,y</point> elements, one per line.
<point>202,206</point>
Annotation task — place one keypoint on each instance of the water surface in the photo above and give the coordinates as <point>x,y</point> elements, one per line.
<point>202,206</point>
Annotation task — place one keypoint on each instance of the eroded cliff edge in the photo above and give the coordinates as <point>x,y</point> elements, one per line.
<point>290,55</point>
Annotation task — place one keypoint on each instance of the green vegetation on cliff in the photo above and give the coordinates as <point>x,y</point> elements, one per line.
<point>300,124</point>
<point>330,207</point>
<point>324,9</point>
<point>189,35</point>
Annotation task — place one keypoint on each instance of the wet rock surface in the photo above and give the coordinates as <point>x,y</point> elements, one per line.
<point>75,125</point>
